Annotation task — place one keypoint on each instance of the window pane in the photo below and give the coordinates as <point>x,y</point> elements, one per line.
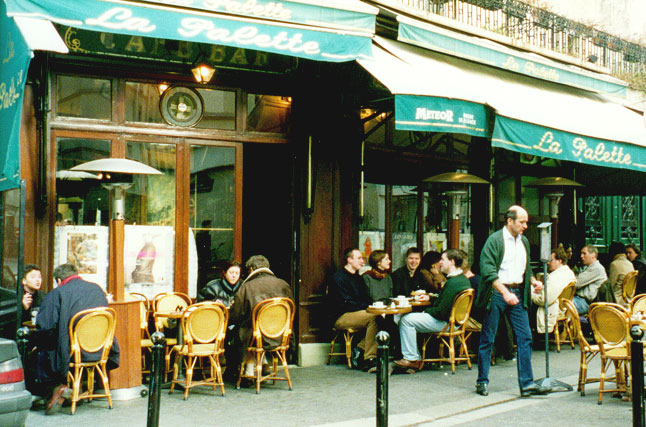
<point>81,200</point>
<point>81,232</point>
<point>212,206</point>
<point>151,199</point>
<point>149,243</point>
<point>219,109</point>
<point>267,113</point>
<point>8,298</point>
<point>371,233</point>
<point>142,103</point>
<point>404,222</point>
<point>83,97</point>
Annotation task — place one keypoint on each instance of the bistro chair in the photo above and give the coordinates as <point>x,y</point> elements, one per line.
<point>610,324</point>
<point>145,341</point>
<point>90,331</point>
<point>455,328</point>
<point>348,334</point>
<point>588,351</point>
<point>165,303</point>
<point>271,319</point>
<point>638,304</point>
<point>566,294</point>
<point>204,327</point>
<point>629,286</point>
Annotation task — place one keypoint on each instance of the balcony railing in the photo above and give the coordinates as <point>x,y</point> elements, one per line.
<point>543,29</point>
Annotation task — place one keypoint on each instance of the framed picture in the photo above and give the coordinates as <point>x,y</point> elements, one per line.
<point>86,247</point>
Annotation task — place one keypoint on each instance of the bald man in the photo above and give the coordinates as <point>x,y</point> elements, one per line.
<point>506,278</point>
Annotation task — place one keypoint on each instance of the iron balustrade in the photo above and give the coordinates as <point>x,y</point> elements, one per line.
<point>540,28</point>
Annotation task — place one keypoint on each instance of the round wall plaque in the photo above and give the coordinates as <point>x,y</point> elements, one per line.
<point>181,106</point>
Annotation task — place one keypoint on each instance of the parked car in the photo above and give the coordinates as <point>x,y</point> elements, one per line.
<point>15,400</point>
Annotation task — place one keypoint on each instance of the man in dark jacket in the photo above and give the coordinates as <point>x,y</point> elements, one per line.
<point>32,295</point>
<point>72,295</point>
<point>435,317</point>
<point>409,278</point>
<point>348,296</point>
<point>635,256</point>
<point>260,284</point>
<point>505,288</point>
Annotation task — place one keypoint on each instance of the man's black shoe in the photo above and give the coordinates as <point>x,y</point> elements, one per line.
<point>369,364</point>
<point>482,389</point>
<point>535,389</point>
<point>357,358</point>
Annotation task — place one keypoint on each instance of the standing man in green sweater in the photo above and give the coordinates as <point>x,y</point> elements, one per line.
<point>505,283</point>
<point>434,318</point>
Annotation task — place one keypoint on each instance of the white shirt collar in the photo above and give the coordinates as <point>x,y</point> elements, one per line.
<point>455,273</point>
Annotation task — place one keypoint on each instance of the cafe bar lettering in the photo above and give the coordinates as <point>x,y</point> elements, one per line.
<point>119,18</point>
<point>445,116</point>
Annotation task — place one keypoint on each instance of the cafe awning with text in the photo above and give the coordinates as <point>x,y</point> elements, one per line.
<point>332,31</point>
<point>441,93</point>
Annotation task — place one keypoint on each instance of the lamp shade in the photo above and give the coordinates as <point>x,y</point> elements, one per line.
<point>74,175</point>
<point>456,178</point>
<point>120,166</point>
<point>553,182</point>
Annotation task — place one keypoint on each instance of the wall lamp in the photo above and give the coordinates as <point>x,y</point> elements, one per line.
<point>203,72</point>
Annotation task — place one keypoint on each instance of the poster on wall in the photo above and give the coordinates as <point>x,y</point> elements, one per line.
<point>86,247</point>
<point>149,262</point>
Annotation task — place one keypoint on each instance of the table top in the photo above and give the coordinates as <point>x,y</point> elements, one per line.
<point>29,324</point>
<point>389,310</point>
<point>170,314</point>
<point>416,303</point>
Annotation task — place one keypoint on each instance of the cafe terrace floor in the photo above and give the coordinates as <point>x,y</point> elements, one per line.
<point>335,395</point>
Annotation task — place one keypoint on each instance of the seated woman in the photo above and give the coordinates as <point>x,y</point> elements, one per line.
<point>430,269</point>
<point>378,281</point>
<point>380,287</point>
<point>223,288</point>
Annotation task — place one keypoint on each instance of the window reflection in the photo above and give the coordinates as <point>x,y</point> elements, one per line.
<point>151,199</point>
<point>81,200</point>
<point>372,232</point>
<point>8,299</point>
<point>219,109</point>
<point>142,103</point>
<point>267,113</point>
<point>212,206</point>
<point>83,97</point>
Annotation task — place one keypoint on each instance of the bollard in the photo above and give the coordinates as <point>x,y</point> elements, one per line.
<point>383,340</point>
<point>22,339</point>
<point>637,371</point>
<point>157,370</point>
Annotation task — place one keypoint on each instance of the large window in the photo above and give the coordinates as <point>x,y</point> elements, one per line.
<point>10,214</point>
<point>212,207</point>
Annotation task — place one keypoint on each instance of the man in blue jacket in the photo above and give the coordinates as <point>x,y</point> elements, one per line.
<point>505,283</point>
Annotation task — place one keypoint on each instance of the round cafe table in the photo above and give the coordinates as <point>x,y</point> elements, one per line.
<point>389,310</point>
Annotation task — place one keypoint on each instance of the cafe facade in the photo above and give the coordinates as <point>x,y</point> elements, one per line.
<point>316,132</point>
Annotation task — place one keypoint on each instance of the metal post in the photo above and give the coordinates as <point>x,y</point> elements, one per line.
<point>159,342</point>
<point>383,339</point>
<point>637,371</point>
<point>22,338</point>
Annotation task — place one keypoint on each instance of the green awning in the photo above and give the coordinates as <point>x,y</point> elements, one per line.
<point>332,31</point>
<point>487,52</point>
<point>442,93</point>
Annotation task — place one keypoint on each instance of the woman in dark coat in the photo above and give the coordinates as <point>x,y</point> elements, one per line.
<point>223,288</point>
<point>430,269</point>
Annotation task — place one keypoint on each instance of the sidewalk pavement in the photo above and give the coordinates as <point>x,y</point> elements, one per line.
<point>336,396</point>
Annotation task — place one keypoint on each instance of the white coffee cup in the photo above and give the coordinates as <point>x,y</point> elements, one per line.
<point>378,304</point>
<point>401,297</point>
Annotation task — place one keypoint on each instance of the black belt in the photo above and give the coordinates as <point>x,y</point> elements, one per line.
<point>513,285</point>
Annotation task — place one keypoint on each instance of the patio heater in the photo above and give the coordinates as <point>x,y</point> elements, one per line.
<point>457,188</point>
<point>554,188</point>
<point>546,254</point>
<point>116,176</point>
